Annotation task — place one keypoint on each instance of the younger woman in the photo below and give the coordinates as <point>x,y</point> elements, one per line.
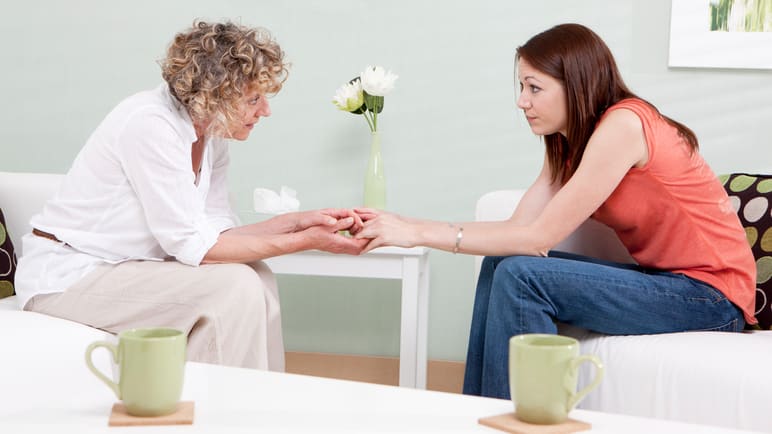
<point>610,156</point>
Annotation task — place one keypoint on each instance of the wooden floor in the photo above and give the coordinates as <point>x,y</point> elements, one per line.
<point>444,376</point>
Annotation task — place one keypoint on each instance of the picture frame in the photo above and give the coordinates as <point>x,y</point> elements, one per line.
<point>721,34</point>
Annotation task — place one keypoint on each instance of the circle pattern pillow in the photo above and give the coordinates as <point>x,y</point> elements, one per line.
<point>7,261</point>
<point>751,196</point>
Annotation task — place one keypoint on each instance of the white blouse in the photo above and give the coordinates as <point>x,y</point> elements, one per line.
<point>130,194</point>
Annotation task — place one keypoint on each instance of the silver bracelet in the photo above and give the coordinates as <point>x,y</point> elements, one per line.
<point>459,236</point>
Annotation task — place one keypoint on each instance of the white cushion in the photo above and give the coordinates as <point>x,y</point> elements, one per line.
<point>9,303</point>
<point>709,378</point>
<point>36,349</point>
<point>23,195</point>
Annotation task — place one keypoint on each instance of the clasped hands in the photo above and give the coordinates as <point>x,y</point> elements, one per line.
<point>367,229</point>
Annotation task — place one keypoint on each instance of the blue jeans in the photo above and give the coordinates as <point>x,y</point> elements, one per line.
<point>527,294</point>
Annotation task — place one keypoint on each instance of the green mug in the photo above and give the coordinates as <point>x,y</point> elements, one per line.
<point>543,376</point>
<point>151,366</point>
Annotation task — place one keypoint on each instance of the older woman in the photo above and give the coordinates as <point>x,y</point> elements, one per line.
<point>141,232</point>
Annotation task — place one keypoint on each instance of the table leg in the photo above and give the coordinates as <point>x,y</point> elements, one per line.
<point>413,333</point>
<point>408,341</point>
<point>423,323</point>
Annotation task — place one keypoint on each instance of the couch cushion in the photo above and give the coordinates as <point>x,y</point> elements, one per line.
<point>36,189</point>
<point>42,366</point>
<point>712,378</point>
<point>9,303</point>
<point>7,260</point>
<point>751,196</point>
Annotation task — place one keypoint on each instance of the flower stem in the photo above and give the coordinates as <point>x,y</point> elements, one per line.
<point>369,122</point>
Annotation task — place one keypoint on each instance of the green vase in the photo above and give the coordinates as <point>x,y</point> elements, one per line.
<point>375,182</point>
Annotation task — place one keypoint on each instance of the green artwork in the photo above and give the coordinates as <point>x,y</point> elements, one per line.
<point>741,15</point>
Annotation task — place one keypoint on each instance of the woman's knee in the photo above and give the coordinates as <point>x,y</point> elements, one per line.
<point>488,268</point>
<point>513,268</point>
<point>489,262</point>
<point>522,262</point>
<point>236,275</point>
<point>266,275</point>
<point>239,285</point>
<point>517,278</point>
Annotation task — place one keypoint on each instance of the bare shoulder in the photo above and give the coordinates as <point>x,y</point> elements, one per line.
<point>623,119</point>
<point>621,133</point>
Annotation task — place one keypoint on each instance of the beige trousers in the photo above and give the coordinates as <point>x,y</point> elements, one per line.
<point>229,311</point>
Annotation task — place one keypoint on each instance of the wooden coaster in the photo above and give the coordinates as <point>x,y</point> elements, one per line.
<point>183,416</point>
<point>509,423</point>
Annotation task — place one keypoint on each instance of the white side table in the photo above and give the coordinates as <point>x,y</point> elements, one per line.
<point>409,265</point>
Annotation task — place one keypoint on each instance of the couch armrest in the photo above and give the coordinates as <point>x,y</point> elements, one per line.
<point>23,195</point>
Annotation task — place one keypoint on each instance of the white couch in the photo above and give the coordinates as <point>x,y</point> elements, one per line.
<point>711,378</point>
<point>34,348</point>
<point>722,379</point>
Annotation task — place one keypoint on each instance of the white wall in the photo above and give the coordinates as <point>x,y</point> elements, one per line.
<point>450,129</point>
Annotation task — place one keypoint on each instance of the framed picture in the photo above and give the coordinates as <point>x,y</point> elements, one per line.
<point>721,34</point>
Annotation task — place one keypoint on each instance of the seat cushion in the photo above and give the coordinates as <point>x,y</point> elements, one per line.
<point>7,260</point>
<point>751,196</point>
<point>42,363</point>
<point>9,303</point>
<point>712,378</point>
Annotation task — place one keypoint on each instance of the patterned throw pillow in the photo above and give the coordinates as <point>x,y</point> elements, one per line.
<point>751,196</point>
<point>7,261</point>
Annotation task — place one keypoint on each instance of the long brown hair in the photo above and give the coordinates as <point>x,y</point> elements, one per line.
<point>578,57</point>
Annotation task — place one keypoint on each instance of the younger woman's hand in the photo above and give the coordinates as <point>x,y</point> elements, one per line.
<point>326,217</point>
<point>342,213</point>
<point>368,213</point>
<point>328,238</point>
<point>371,213</point>
<point>387,229</point>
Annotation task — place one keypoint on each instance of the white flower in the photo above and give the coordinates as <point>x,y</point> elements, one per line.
<point>377,81</point>
<point>364,95</point>
<point>349,97</point>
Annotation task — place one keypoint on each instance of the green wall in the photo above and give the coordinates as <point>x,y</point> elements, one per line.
<point>450,128</point>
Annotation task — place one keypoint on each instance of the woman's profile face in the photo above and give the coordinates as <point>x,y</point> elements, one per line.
<point>542,99</point>
<point>253,105</point>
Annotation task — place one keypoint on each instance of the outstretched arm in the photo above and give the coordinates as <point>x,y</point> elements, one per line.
<point>298,221</point>
<point>246,246</point>
<point>617,145</point>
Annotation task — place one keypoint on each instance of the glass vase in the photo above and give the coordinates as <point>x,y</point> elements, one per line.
<point>375,182</point>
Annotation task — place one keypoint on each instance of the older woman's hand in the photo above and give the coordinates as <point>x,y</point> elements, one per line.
<point>328,238</point>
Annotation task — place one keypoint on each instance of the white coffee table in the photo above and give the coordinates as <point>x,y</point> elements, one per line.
<point>411,266</point>
<point>232,400</point>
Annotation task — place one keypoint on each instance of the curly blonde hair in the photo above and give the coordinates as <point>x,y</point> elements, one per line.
<point>211,66</point>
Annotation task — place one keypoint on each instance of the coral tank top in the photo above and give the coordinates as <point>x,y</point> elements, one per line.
<point>673,214</point>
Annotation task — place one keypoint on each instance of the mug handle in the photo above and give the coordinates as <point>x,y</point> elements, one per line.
<point>114,352</point>
<point>578,396</point>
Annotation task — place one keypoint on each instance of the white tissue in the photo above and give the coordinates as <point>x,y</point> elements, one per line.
<point>269,202</point>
